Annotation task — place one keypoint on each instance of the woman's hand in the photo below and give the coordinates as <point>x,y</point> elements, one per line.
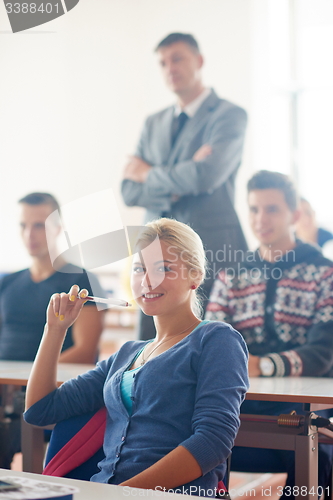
<point>64,308</point>
<point>62,311</point>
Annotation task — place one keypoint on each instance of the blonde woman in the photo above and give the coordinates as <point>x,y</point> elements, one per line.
<point>172,402</point>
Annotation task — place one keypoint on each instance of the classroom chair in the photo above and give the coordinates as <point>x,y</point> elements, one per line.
<point>76,447</point>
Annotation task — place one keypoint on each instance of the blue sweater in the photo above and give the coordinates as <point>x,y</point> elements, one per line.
<point>190,395</point>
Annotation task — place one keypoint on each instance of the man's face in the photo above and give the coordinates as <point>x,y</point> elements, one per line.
<point>180,67</point>
<point>32,223</point>
<point>271,219</point>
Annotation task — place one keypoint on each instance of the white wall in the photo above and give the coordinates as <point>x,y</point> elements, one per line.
<point>74,93</point>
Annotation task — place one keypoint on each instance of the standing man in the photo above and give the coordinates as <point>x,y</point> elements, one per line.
<point>24,297</point>
<point>187,160</point>
<point>280,300</point>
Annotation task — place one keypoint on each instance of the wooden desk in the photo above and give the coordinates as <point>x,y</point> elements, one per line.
<point>32,438</point>
<point>89,490</point>
<point>17,372</point>
<point>316,394</point>
<point>312,390</point>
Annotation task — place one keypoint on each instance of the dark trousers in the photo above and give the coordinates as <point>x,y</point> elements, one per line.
<point>10,425</point>
<point>10,441</point>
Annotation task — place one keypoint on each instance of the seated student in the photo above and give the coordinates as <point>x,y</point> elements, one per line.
<point>307,228</point>
<point>22,321</point>
<point>280,299</point>
<point>173,407</point>
<point>22,324</point>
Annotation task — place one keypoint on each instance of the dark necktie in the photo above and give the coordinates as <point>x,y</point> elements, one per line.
<point>177,125</point>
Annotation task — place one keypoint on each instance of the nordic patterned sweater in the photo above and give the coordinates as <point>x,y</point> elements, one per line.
<point>283,309</point>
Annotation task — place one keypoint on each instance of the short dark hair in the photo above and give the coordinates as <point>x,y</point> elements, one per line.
<point>266,179</point>
<point>40,199</point>
<point>179,37</point>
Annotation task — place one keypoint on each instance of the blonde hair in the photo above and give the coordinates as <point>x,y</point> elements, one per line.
<point>186,243</point>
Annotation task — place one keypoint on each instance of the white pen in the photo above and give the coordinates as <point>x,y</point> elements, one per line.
<point>115,302</point>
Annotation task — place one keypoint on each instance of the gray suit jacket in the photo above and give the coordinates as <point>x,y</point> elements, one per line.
<point>204,189</point>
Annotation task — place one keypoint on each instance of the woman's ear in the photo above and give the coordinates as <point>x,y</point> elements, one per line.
<point>195,278</point>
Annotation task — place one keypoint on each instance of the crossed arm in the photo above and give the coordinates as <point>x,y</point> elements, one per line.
<point>137,170</point>
<point>136,173</point>
<point>155,186</point>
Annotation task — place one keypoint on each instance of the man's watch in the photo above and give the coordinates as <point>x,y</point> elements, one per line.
<point>267,366</point>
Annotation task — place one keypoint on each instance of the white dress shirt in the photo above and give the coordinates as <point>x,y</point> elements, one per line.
<point>191,108</point>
